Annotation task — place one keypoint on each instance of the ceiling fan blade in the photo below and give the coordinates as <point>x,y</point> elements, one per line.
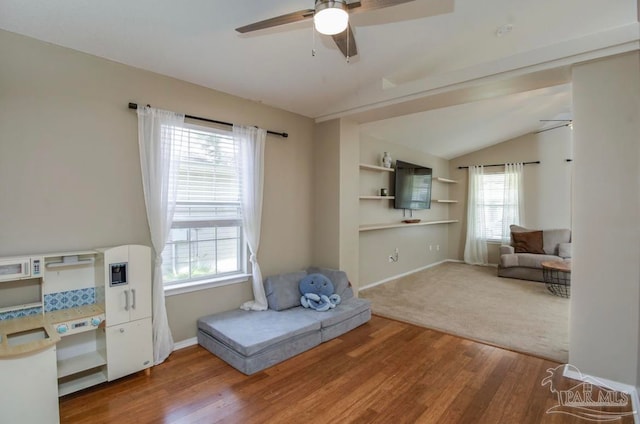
<point>289,18</point>
<point>367,5</point>
<point>346,43</point>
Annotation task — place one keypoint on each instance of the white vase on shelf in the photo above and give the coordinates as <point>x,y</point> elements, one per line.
<point>386,160</point>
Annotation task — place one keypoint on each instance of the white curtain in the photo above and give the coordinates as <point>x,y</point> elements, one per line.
<point>160,141</point>
<point>475,250</point>
<point>513,209</point>
<point>251,144</point>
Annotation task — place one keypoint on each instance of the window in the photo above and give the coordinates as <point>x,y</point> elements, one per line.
<point>493,186</point>
<point>206,240</point>
<point>501,203</point>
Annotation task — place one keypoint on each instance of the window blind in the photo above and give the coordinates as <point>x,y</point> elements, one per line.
<point>493,185</point>
<point>206,239</point>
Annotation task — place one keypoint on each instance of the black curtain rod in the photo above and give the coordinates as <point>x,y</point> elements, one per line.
<point>554,128</point>
<point>213,121</point>
<point>502,164</point>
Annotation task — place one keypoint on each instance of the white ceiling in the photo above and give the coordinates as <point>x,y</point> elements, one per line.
<point>452,131</point>
<point>410,51</point>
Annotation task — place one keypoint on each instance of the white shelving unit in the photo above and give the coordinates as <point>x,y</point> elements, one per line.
<point>446,180</point>
<point>67,367</point>
<point>81,358</point>
<point>372,227</point>
<point>375,168</point>
<point>66,264</point>
<point>82,370</point>
<point>84,380</point>
<point>20,307</point>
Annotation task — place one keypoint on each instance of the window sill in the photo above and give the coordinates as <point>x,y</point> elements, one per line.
<point>193,286</point>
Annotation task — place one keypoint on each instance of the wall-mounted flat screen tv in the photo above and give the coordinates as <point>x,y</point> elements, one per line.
<point>413,186</point>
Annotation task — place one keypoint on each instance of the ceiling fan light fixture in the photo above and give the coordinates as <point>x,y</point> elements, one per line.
<point>331,17</point>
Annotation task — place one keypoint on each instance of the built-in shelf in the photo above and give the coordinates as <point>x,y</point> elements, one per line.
<point>444,201</point>
<point>375,168</point>
<point>21,307</point>
<point>377,197</point>
<point>446,180</point>
<point>81,363</point>
<point>62,264</point>
<point>89,379</point>
<point>372,227</point>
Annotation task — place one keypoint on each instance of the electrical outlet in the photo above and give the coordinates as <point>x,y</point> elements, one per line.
<point>438,247</point>
<point>395,256</point>
<point>430,247</point>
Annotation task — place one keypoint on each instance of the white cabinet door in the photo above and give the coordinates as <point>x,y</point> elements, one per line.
<point>117,298</point>
<point>140,281</point>
<point>130,301</point>
<point>129,348</point>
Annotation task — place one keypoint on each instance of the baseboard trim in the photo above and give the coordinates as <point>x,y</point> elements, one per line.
<point>386,280</point>
<point>185,343</point>
<point>630,390</point>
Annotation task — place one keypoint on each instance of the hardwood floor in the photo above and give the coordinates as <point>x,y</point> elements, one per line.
<point>382,372</point>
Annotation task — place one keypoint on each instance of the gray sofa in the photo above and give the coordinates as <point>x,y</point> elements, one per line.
<point>251,341</point>
<point>556,246</point>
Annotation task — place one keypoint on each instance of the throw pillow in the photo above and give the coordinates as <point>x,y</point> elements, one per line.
<point>282,290</point>
<point>517,229</point>
<point>564,250</point>
<point>527,242</point>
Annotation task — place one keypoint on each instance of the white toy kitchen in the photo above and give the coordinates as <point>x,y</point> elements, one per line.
<point>69,321</point>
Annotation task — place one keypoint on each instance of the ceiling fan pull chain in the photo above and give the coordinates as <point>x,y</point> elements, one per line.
<point>348,43</point>
<point>313,41</point>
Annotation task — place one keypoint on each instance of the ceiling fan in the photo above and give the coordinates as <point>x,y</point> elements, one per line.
<point>330,18</point>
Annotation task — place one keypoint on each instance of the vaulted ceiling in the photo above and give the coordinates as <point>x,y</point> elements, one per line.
<point>472,72</point>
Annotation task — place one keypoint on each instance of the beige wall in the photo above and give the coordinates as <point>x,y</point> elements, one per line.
<point>547,186</point>
<point>326,190</point>
<point>70,167</point>
<point>605,292</point>
<point>348,186</point>
<point>335,197</point>
<point>412,242</point>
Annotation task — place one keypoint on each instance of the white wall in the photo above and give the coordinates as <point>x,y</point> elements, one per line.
<point>605,319</point>
<point>413,243</point>
<point>547,186</point>
<point>70,168</point>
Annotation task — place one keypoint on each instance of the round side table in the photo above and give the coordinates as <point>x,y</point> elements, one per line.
<point>557,277</point>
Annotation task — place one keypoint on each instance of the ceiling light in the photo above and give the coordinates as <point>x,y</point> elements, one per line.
<point>331,17</point>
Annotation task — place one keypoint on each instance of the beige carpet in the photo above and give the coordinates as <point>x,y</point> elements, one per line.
<point>472,302</point>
